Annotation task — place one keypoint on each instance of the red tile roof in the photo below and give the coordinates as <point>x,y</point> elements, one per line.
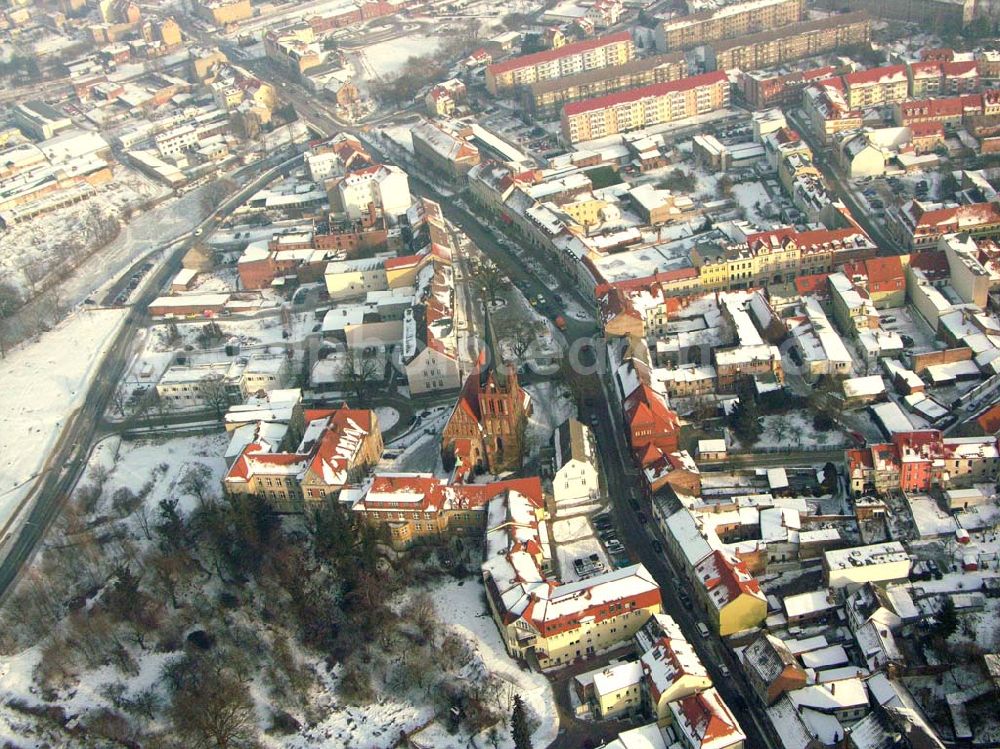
<point>884,269</point>
<point>989,420</point>
<point>404,261</point>
<point>887,74</point>
<point>812,284</point>
<point>555,54</point>
<point>925,69</point>
<point>643,92</point>
<point>960,68</point>
<point>951,106</point>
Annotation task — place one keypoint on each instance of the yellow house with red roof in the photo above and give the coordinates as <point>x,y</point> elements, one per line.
<point>730,593</point>
<point>338,447</point>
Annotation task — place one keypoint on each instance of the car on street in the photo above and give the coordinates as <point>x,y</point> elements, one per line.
<point>642,517</point>
<point>702,629</point>
<point>684,598</point>
<point>657,546</point>
<point>724,670</point>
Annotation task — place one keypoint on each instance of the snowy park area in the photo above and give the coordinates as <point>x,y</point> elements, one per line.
<point>45,380</point>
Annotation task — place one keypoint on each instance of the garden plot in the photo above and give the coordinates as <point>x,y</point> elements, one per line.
<point>795,430</point>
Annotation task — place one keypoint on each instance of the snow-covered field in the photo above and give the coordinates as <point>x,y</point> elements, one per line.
<point>390,57</point>
<point>44,380</point>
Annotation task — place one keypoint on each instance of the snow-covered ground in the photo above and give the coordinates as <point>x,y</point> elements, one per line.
<point>163,462</point>
<point>390,57</point>
<point>461,607</point>
<point>796,430</point>
<point>44,380</point>
<point>388,417</point>
<point>753,198</point>
<point>551,405</point>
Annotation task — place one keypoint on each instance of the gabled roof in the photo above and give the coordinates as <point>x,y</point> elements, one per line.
<point>726,578</point>
<point>706,721</point>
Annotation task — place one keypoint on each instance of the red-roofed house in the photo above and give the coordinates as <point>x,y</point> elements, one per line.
<point>649,421</point>
<point>419,506</point>
<point>670,667</point>
<point>883,278</point>
<point>338,447</point>
<point>704,721</point>
<point>923,224</point>
<point>948,110</point>
<point>812,285</point>
<point>731,595</point>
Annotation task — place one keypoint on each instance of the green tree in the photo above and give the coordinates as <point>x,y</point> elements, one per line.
<point>519,729</point>
<point>746,417</point>
<point>947,620</point>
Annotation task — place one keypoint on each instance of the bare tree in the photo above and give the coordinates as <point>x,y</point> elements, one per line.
<point>197,481</point>
<point>521,338</point>
<point>359,373</point>
<point>211,705</point>
<point>214,394</point>
<point>10,302</point>
<point>491,280</point>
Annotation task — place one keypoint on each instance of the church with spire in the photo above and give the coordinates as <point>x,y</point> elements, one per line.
<point>486,428</point>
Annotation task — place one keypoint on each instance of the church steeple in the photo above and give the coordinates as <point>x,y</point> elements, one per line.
<point>491,351</point>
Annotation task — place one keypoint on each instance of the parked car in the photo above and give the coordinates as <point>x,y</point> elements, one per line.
<point>724,670</point>
<point>702,629</point>
<point>657,546</point>
<point>642,517</point>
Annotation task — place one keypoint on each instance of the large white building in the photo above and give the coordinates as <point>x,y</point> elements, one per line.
<point>385,187</point>
<point>575,462</point>
<point>852,568</point>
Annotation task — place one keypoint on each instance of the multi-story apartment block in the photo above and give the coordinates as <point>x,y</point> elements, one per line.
<point>781,255</point>
<point>338,447</point>
<point>570,59</point>
<point>641,107</point>
<point>950,78</point>
<point>947,110</point>
<point>727,22</point>
<point>876,87</point>
<point>780,45</point>
<point>544,99</point>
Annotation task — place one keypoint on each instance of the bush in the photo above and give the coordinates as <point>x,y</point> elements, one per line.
<point>822,421</point>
